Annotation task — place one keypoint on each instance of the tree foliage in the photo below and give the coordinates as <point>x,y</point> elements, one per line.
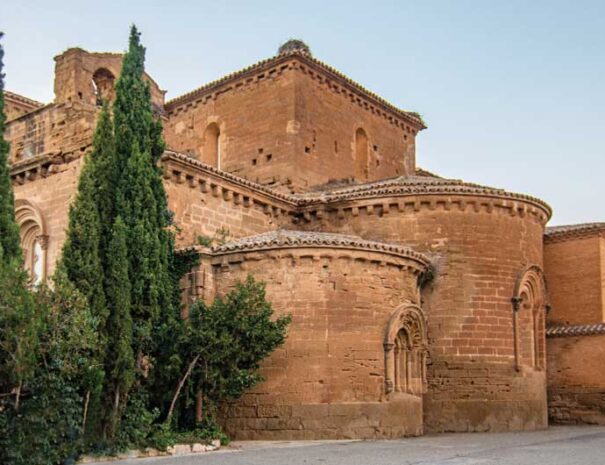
<point>9,230</point>
<point>120,362</point>
<point>103,357</point>
<point>141,200</point>
<point>42,424</point>
<point>224,343</point>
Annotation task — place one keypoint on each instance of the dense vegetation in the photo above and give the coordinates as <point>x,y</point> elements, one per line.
<point>103,361</point>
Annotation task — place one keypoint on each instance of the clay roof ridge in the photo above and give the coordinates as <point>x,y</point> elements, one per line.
<point>575,330</point>
<point>414,185</point>
<point>304,57</point>
<point>425,173</point>
<point>294,239</point>
<point>570,228</point>
<point>393,186</point>
<point>228,176</point>
<point>22,98</point>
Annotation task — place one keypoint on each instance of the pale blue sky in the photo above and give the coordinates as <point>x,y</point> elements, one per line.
<point>513,91</point>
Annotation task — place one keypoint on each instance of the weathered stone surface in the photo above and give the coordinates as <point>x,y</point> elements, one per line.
<point>418,302</point>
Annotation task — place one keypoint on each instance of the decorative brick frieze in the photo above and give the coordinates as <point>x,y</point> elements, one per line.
<point>575,330</point>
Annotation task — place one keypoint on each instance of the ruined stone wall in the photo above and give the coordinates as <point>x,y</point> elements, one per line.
<point>327,381</point>
<point>480,246</point>
<point>326,145</point>
<point>64,131</point>
<point>16,105</point>
<point>575,269</point>
<point>86,78</point>
<point>576,379</point>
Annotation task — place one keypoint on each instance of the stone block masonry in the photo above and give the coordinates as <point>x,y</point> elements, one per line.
<point>419,303</point>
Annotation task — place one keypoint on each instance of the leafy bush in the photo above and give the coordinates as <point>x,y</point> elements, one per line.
<point>223,345</point>
<point>42,421</point>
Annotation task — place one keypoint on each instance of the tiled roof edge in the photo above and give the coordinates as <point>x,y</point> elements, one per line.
<point>368,190</point>
<point>182,99</point>
<point>573,231</point>
<point>23,99</point>
<point>307,239</point>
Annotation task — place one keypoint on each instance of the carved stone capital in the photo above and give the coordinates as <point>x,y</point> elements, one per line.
<point>389,386</point>
<point>43,241</point>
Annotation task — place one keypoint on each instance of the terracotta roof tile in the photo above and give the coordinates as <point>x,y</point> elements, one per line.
<point>300,239</point>
<point>304,57</point>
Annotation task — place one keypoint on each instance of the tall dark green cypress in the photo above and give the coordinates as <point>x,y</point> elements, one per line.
<point>141,200</point>
<point>9,230</point>
<point>120,362</point>
<point>82,261</point>
<point>82,258</point>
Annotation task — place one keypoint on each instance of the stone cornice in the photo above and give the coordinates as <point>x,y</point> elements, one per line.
<point>301,239</point>
<point>41,166</point>
<point>180,168</point>
<point>31,112</point>
<point>415,192</point>
<point>8,95</point>
<point>575,330</point>
<point>416,188</point>
<point>328,243</point>
<point>418,185</point>
<point>574,232</point>
<point>278,64</point>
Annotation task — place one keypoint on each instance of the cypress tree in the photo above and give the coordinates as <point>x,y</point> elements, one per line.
<point>120,357</point>
<point>141,200</point>
<point>81,252</point>
<point>82,262</point>
<point>9,230</point>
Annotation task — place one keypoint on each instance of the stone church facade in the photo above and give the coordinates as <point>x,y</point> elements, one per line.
<point>419,303</point>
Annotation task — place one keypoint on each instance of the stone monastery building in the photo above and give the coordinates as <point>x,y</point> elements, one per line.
<point>419,303</point>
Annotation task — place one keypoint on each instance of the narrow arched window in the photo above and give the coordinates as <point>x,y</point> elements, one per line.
<point>361,155</point>
<point>212,146</point>
<point>34,240</point>
<point>529,307</point>
<point>405,351</point>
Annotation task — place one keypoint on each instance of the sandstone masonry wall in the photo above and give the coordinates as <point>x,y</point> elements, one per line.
<point>326,146</point>
<point>52,196</point>
<point>574,258</point>
<point>16,105</point>
<point>276,126</point>
<point>576,379</point>
<point>255,118</point>
<point>480,246</point>
<point>327,381</point>
<point>576,275</point>
<point>205,201</point>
